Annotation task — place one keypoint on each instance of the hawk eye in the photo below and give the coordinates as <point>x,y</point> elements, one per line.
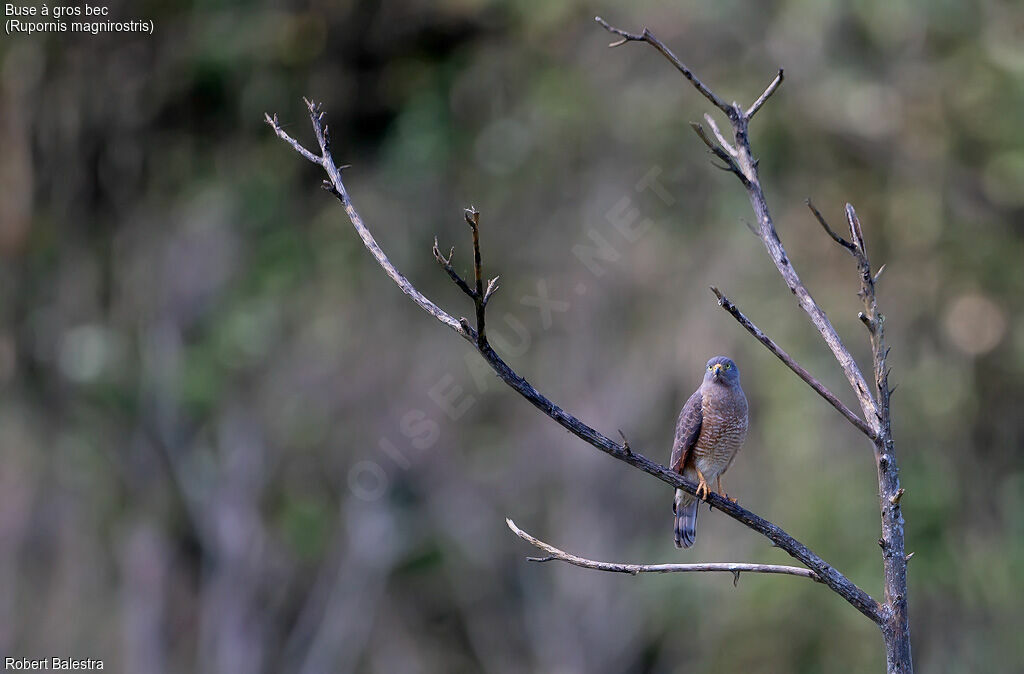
<point>728,365</point>
<point>710,366</point>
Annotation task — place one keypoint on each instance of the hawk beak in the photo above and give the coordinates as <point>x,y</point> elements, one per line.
<point>717,370</point>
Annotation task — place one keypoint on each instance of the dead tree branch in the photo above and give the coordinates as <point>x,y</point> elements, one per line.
<point>735,568</point>
<point>739,159</point>
<point>336,187</point>
<point>744,166</point>
<point>646,36</point>
<point>825,572</point>
<point>765,96</point>
<point>796,367</point>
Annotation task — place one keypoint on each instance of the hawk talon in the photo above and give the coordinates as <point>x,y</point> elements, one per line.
<point>702,486</point>
<point>718,483</point>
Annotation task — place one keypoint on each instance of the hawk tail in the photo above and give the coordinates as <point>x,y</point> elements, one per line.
<point>685,508</point>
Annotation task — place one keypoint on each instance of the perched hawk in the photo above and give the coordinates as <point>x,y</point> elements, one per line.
<point>710,430</point>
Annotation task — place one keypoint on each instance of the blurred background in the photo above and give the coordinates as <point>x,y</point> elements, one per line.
<point>228,443</point>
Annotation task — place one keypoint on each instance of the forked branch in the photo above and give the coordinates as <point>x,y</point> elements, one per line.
<point>815,564</point>
<point>791,363</point>
<point>739,160</point>
<point>876,420</point>
<point>335,186</point>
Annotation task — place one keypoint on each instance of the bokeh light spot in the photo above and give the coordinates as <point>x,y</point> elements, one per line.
<point>975,324</point>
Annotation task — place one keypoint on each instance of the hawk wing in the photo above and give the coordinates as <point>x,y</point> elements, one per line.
<point>687,431</point>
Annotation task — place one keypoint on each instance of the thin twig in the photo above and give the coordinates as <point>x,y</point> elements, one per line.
<point>796,367</point>
<point>730,163</point>
<point>856,232</point>
<point>555,554</point>
<point>828,229</point>
<point>647,37</point>
<point>718,134</point>
<point>765,96</point>
<point>446,264</point>
<point>870,316</point>
<point>473,220</point>
<point>492,287</point>
<point>749,225</point>
<point>283,135</point>
<point>625,442</point>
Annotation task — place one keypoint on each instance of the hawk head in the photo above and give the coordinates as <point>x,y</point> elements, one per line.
<point>722,370</point>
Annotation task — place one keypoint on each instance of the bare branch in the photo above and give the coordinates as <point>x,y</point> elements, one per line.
<point>798,369</point>
<point>272,121</point>
<point>855,230</point>
<point>446,264</point>
<point>870,316</point>
<point>718,134</point>
<point>648,37</point>
<point>739,159</point>
<point>473,220</point>
<point>773,244</point>
<point>828,230</point>
<point>735,568</point>
<point>745,167</point>
<point>828,575</point>
<point>730,163</point>
<point>478,294</point>
<point>338,189</point>
<point>896,626</point>
<point>765,96</point>
<point>875,407</point>
<point>492,287</point>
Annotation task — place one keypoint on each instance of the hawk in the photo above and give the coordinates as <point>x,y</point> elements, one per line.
<point>709,433</point>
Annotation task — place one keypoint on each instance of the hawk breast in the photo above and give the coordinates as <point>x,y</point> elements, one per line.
<point>723,430</point>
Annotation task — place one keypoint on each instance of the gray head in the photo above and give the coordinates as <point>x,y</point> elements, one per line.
<point>722,370</point>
